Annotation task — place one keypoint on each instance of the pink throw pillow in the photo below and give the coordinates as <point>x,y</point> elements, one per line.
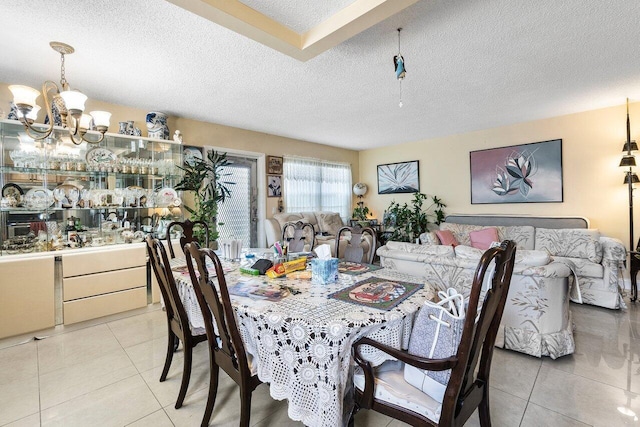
<point>482,239</point>
<point>447,238</point>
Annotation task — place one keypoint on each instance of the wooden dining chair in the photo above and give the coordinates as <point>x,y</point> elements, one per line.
<point>387,392</point>
<point>303,233</point>
<point>226,349</point>
<point>177,321</point>
<point>353,250</point>
<point>187,227</point>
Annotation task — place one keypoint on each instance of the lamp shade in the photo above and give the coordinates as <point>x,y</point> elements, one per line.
<point>360,189</point>
<point>85,121</point>
<point>24,95</point>
<point>628,160</point>
<point>74,101</point>
<point>632,146</point>
<point>631,176</point>
<point>101,118</point>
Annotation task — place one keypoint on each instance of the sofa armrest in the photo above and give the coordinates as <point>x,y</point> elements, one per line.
<point>272,230</point>
<point>613,249</point>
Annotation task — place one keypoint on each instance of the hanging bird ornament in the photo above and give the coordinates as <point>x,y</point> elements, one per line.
<point>401,71</point>
<point>398,61</point>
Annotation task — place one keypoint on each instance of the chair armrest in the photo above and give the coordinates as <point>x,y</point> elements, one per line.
<point>402,355</point>
<point>613,249</point>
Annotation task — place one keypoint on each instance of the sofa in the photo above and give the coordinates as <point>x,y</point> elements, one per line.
<point>326,225</point>
<point>557,260</point>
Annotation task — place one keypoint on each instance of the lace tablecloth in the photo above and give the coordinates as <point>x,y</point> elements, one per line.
<point>302,344</point>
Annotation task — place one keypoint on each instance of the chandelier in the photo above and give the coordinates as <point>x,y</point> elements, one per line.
<point>69,103</point>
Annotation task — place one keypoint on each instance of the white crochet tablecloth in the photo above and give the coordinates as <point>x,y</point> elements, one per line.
<point>302,344</point>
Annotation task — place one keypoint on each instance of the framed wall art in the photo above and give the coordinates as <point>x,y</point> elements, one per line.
<point>274,165</point>
<point>527,173</point>
<point>274,186</point>
<point>401,177</point>
<point>191,153</point>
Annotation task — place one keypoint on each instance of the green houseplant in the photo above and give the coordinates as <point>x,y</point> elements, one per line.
<point>407,222</point>
<point>361,212</point>
<point>205,178</point>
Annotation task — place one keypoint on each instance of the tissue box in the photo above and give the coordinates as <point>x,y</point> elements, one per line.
<point>324,271</point>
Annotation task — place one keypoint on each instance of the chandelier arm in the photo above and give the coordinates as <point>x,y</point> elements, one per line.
<point>92,141</point>
<point>73,130</point>
<point>40,135</point>
<point>75,140</point>
<point>46,87</point>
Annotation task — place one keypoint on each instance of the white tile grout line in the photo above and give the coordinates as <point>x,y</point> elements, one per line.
<point>52,332</point>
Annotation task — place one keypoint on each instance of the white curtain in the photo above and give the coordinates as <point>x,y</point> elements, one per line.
<point>315,185</point>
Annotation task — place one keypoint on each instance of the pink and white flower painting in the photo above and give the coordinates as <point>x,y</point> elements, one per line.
<point>525,173</point>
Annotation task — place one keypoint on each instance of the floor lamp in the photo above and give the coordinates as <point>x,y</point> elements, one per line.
<point>630,178</point>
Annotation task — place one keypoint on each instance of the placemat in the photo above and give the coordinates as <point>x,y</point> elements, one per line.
<point>377,292</point>
<point>355,268</point>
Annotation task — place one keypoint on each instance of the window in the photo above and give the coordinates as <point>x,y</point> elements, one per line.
<point>316,185</point>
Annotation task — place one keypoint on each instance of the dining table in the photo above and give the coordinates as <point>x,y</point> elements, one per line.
<point>300,333</point>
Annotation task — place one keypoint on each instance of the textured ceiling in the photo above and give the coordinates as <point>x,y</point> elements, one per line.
<point>298,15</point>
<point>471,65</point>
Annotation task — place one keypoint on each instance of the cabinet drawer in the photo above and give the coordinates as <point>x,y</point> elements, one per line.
<point>102,283</point>
<point>107,260</point>
<point>103,305</point>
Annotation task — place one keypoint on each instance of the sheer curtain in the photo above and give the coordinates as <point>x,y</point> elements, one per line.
<point>316,185</point>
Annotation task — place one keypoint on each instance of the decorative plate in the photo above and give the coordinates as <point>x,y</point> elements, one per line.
<point>13,190</point>
<point>190,154</point>
<point>166,196</point>
<point>101,156</point>
<point>38,198</point>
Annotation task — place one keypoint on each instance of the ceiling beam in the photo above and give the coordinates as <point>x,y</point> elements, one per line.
<point>346,23</point>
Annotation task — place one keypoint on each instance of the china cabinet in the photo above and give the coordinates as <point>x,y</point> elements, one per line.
<point>57,195</point>
<point>73,219</point>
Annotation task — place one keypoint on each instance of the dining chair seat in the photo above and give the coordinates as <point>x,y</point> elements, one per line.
<point>392,388</point>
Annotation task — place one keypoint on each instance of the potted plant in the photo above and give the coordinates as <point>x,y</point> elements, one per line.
<point>205,178</point>
<point>407,222</point>
<point>360,213</point>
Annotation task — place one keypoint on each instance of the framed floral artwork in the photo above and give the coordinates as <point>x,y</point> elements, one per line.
<point>274,186</point>
<point>401,177</point>
<point>527,173</point>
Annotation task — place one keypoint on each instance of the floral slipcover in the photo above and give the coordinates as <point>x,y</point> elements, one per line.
<point>536,319</point>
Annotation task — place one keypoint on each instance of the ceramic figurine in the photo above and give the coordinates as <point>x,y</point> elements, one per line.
<point>177,136</point>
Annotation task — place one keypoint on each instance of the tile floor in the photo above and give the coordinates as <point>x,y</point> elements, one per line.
<point>105,373</point>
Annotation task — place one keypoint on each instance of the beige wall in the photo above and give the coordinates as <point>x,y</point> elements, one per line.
<point>210,134</point>
<point>591,150</point>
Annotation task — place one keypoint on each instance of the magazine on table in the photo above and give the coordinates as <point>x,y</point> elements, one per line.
<point>255,288</point>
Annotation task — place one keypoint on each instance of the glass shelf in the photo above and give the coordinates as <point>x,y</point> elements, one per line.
<point>106,167</point>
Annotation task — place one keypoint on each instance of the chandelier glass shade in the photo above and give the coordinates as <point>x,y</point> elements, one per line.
<point>69,103</point>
